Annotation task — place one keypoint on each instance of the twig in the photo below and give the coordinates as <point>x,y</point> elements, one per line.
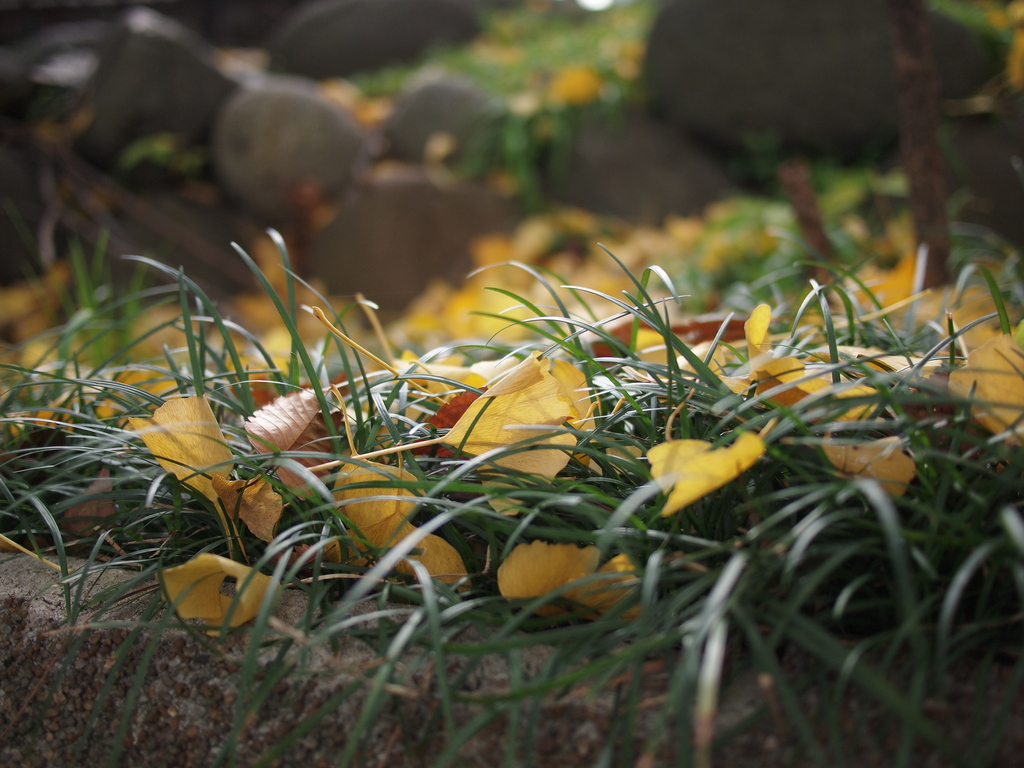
<point>795,178</point>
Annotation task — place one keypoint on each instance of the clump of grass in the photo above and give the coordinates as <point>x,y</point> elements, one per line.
<point>881,595</point>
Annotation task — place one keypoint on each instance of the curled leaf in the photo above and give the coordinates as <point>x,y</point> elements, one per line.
<point>787,381</point>
<point>691,469</point>
<point>194,589</point>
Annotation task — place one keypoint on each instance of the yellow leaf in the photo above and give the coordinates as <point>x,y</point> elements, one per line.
<point>573,386</point>
<point>995,375</point>
<point>577,85</point>
<point>531,570</point>
<point>882,460</point>
<point>195,588</point>
<point>691,469</point>
<point>525,402</point>
<point>475,375</point>
<point>187,441</point>
<point>442,561</point>
<point>889,286</point>
<point>538,568</point>
<point>372,505</point>
<point>383,520</point>
<point>779,372</point>
<point>601,595</point>
<point>254,502</point>
<point>1015,61</point>
<point>756,331</point>
<point>789,382</point>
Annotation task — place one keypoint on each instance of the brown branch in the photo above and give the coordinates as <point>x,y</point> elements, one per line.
<point>917,89</point>
<point>795,178</point>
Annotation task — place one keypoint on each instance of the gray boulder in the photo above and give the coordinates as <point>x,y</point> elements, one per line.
<point>40,74</point>
<point>337,38</point>
<point>450,105</point>
<point>811,74</point>
<point>640,169</point>
<point>404,230</point>
<point>153,76</point>
<point>279,146</point>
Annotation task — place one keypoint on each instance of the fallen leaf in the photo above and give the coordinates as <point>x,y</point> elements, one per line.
<point>293,422</point>
<point>576,85</point>
<point>573,387</point>
<point>448,415</point>
<point>194,589</point>
<point>187,441</point>
<point>254,502</point>
<point>788,381</point>
<point>994,380</point>
<point>85,517</point>
<point>526,402</point>
<point>539,568</point>
<point>691,469</point>
<point>381,515</point>
<point>755,329</point>
<point>882,460</point>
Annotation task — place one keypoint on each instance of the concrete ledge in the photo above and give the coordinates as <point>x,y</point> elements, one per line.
<point>175,698</point>
<point>126,693</point>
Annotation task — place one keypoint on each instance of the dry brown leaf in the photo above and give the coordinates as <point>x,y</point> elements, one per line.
<point>293,422</point>
<point>84,518</point>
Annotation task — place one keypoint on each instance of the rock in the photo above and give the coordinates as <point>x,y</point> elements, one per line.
<point>404,230</point>
<point>338,38</point>
<point>445,105</point>
<point>154,76</point>
<point>982,152</point>
<point>57,40</point>
<point>815,76</point>
<point>280,143</point>
<point>641,169</point>
<point>21,209</point>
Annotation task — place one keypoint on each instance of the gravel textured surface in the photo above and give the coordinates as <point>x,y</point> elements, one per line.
<point>174,698</point>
